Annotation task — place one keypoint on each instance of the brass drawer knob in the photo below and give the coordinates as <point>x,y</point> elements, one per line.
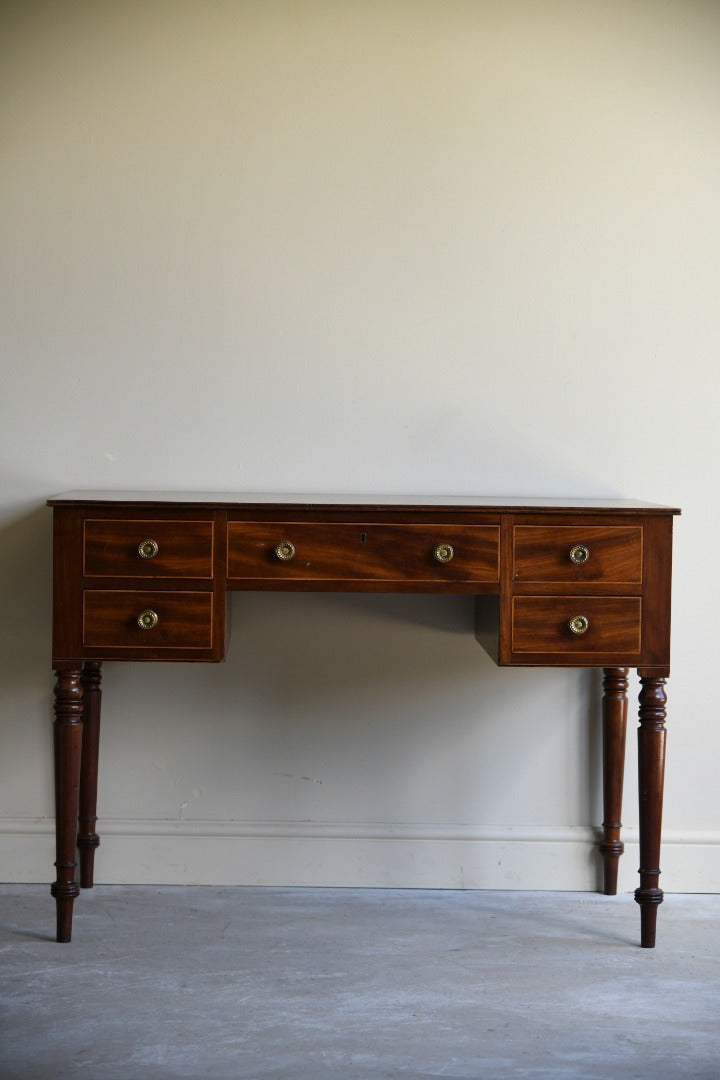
<point>285,550</point>
<point>148,549</point>
<point>443,552</point>
<point>579,624</point>
<point>579,554</point>
<point>147,619</point>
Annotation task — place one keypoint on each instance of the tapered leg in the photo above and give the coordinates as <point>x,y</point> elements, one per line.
<point>68,731</point>
<point>651,775</point>
<point>87,839</point>
<point>615,684</point>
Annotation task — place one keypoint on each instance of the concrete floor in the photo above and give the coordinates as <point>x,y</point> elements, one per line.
<point>350,984</point>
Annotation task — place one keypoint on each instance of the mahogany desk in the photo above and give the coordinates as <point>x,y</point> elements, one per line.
<point>559,582</point>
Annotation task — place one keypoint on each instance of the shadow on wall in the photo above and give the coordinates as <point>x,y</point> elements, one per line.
<point>380,697</point>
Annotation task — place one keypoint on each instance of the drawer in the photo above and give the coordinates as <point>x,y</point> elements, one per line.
<point>606,624</point>
<point>148,548</point>
<point>172,620</point>
<point>317,551</point>
<point>608,554</point>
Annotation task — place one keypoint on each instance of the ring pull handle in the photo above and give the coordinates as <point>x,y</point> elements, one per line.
<point>579,624</point>
<point>579,554</point>
<point>147,619</point>
<point>148,549</point>
<point>443,552</point>
<point>285,550</point>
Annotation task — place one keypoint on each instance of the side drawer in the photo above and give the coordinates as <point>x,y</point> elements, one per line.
<point>607,624</point>
<point>114,618</point>
<point>147,547</point>
<point>318,551</point>
<point>609,554</point>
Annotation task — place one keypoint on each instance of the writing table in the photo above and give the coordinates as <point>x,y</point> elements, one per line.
<point>559,583</point>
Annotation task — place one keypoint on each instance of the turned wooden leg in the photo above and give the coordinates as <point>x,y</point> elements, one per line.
<point>68,731</point>
<point>651,774</point>
<point>614,718</point>
<point>87,839</point>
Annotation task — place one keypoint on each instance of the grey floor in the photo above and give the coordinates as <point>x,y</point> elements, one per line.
<point>357,984</point>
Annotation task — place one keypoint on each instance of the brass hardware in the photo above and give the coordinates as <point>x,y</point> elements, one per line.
<point>579,624</point>
<point>579,554</point>
<point>443,552</point>
<point>146,620</point>
<point>285,550</point>
<point>148,549</point>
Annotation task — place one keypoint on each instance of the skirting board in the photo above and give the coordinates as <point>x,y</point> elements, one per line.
<point>357,855</point>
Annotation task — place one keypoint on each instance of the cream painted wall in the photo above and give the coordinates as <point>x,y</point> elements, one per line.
<point>400,247</point>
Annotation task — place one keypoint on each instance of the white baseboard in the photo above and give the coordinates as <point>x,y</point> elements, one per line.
<point>357,855</point>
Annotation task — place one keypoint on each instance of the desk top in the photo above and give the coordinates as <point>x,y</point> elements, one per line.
<point>250,500</point>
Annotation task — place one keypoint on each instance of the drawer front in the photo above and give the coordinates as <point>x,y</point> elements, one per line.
<point>602,624</point>
<point>148,548</point>
<point>609,554</point>
<point>177,620</point>
<point>316,551</point>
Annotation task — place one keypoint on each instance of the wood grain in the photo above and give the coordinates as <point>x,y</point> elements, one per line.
<point>328,551</point>
<point>542,553</point>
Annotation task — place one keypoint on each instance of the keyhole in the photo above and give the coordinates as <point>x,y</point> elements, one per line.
<point>363,537</point>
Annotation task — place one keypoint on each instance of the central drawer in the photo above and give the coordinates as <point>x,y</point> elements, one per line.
<point>319,551</point>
